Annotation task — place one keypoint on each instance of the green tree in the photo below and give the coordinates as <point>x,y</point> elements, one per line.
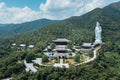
<point>45,58</point>
<point>30,56</point>
<point>77,57</point>
<point>52,46</point>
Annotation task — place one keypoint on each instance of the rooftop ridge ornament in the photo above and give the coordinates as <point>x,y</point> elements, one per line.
<point>98,31</point>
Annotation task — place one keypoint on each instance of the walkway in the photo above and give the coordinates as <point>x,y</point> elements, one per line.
<point>91,59</point>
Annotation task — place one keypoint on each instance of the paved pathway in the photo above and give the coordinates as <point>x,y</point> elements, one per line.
<point>7,79</point>
<point>91,59</point>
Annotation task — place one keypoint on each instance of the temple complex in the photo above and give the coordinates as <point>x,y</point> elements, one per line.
<point>61,49</point>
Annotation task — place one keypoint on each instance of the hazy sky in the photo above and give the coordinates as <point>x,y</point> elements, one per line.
<point>18,11</point>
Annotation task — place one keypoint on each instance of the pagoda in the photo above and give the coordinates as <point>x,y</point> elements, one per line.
<point>61,49</point>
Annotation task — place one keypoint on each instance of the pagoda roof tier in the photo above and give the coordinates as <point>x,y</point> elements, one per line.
<point>61,40</point>
<point>59,49</point>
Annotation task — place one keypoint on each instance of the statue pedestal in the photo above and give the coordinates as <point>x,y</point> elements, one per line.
<point>97,42</point>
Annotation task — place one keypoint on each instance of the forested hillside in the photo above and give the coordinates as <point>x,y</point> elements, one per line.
<point>79,29</point>
<point>14,29</point>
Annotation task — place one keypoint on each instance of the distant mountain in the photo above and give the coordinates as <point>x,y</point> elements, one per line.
<point>114,6</point>
<point>2,25</point>
<point>12,29</point>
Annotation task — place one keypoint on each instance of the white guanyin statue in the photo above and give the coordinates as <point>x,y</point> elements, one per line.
<point>98,31</point>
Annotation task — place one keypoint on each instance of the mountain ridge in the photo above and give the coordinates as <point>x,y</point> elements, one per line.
<point>13,29</point>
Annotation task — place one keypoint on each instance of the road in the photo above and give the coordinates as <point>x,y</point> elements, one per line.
<point>91,59</point>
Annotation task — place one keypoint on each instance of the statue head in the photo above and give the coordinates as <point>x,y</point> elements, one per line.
<point>97,24</point>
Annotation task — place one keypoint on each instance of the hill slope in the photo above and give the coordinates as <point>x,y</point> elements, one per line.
<point>13,29</point>
<point>80,28</point>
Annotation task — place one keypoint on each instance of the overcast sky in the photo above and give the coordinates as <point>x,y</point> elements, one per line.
<point>19,11</point>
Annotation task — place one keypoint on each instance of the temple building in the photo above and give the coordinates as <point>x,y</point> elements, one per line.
<point>86,46</point>
<point>61,49</point>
